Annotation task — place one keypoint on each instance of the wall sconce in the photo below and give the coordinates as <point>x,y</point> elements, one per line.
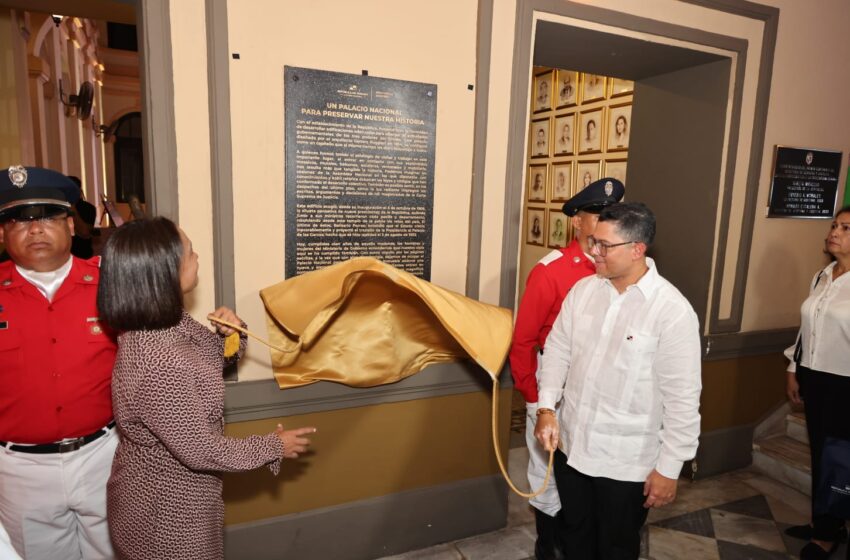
<point>103,130</point>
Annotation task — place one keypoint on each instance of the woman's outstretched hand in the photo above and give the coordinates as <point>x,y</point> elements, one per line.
<point>293,442</point>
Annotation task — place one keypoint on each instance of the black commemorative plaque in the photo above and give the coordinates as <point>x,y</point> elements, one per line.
<point>359,170</point>
<point>804,183</point>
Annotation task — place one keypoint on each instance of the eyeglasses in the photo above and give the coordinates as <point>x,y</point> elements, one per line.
<point>20,224</point>
<point>602,247</point>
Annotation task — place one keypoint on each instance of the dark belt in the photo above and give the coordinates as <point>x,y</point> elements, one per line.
<point>64,446</point>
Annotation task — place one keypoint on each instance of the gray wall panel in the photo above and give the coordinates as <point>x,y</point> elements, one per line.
<point>377,527</point>
<point>678,125</point>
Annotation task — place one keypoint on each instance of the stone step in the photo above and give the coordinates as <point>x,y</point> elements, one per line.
<point>786,460</point>
<point>795,427</point>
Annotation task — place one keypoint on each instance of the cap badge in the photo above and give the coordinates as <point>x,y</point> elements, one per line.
<point>609,188</point>
<point>18,175</point>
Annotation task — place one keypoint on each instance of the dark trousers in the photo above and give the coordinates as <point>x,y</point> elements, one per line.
<point>601,517</point>
<point>827,400</point>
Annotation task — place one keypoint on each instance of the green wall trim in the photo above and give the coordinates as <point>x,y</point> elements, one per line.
<point>159,136</point>
<point>221,152</point>
<point>257,400</point>
<point>479,146</point>
<point>755,343</point>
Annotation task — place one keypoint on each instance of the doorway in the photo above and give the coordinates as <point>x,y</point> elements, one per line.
<point>680,134</point>
<point>150,19</point>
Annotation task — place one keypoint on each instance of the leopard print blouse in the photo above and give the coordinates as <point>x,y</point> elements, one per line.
<point>164,495</point>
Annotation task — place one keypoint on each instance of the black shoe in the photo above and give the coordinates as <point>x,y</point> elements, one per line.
<point>546,547</point>
<point>805,532</point>
<point>813,551</point>
<point>802,532</point>
<point>541,553</point>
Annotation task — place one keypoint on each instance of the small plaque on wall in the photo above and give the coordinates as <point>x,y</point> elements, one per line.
<point>804,183</point>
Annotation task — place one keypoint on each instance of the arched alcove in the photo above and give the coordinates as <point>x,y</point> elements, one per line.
<point>129,162</point>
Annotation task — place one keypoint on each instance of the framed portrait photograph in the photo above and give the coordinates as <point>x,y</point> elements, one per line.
<point>567,88</point>
<point>542,91</point>
<point>586,173</point>
<point>539,141</point>
<point>562,179</point>
<point>621,87</point>
<point>537,183</point>
<point>565,126</point>
<point>615,168</point>
<point>535,226</point>
<point>592,87</point>
<point>557,232</point>
<point>590,132</point>
<point>619,126</point>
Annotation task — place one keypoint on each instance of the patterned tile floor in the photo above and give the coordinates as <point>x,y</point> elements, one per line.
<point>735,516</point>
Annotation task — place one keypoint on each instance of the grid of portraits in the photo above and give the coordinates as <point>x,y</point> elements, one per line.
<point>579,132</point>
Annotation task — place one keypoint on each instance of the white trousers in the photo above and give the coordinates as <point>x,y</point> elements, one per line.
<point>54,505</point>
<point>538,460</point>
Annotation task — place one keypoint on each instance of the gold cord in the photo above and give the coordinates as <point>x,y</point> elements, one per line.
<point>249,333</point>
<point>499,452</point>
<point>494,423</point>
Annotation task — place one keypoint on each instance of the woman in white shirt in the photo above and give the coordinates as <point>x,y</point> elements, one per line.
<point>819,375</point>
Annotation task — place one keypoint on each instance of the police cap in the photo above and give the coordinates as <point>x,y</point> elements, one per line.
<point>24,190</point>
<point>596,196</point>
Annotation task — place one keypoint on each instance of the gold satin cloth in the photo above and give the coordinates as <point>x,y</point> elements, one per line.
<point>365,323</point>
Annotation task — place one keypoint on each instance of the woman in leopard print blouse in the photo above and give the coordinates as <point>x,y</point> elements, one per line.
<point>164,495</point>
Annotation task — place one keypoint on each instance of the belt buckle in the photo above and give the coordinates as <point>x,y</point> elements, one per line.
<point>67,445</point>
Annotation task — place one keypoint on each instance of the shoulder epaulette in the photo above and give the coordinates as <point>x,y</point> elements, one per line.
<point>551,257</point>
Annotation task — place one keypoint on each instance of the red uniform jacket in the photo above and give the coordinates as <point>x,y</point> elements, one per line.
<point>55,358</point>
<point>547,286</point>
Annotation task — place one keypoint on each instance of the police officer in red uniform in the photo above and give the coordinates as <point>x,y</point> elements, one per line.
<point>57,435</point>
<point>547,286</point>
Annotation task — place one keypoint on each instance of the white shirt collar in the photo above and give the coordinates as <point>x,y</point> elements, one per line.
<point>649,281</point>
<point>48,283</point>
<point>647,284</point>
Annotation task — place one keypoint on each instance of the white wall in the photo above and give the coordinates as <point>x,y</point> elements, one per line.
<point>808,108</point>
<point>191,114</point>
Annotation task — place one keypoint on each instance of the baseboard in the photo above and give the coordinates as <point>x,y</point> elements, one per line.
<point>724,450</point>
<point>376,527</point>
<point>773,422</point>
